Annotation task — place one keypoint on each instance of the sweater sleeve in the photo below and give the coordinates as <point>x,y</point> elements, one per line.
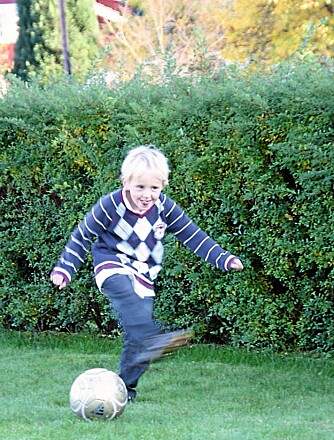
<point>185,230</point>
<point>93,225</point>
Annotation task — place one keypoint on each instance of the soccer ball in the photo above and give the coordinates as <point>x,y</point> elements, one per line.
<point>98,394</point>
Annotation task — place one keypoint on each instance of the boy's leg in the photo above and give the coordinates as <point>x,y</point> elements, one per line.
<point>136,316</point>
<point>159,345</point>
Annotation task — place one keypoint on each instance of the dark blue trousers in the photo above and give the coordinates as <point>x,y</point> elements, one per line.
<point>136,317</point>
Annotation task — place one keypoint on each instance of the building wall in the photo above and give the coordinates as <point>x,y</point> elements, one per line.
<point>8,22</point>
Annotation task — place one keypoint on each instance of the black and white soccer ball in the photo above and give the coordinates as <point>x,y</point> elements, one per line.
<point>98,394</point>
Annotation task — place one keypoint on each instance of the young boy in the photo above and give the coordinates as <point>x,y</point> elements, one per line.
<point>126,229</point>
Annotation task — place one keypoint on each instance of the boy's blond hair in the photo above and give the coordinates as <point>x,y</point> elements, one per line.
<point>141,159</point>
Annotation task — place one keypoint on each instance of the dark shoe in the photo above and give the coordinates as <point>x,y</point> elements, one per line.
<point>160,345</point>
<point>131,395</point>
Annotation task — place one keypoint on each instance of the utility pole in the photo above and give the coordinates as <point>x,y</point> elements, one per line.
<point>66,54</point>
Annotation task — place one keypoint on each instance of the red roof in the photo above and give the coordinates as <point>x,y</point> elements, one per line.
<point>114,4</point>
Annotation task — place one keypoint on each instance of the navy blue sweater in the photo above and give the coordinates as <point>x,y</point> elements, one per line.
<point>122,241</point>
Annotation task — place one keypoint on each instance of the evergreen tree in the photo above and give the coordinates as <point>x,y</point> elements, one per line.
<point>38,50</point>
<point>25,60</point>
<point>83,35</point>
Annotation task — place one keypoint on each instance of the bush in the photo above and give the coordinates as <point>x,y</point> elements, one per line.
<point>252,163</point>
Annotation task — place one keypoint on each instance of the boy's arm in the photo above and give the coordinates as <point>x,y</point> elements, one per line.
<point>74,253</point>
<point>197,240</point>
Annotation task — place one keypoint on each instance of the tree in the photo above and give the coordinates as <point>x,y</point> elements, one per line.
<point>38,48</point>
<point>178,28</point>
<point>271,30</point>
<point>207,34</point>
<point>83,34</point>
<point>25,59</point>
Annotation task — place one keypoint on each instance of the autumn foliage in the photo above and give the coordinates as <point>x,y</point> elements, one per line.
<point>220,32</point>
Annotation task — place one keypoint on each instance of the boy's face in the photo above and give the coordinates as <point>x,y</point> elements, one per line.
<point>143,191</point>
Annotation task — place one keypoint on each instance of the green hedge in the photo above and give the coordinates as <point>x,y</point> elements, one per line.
<point>252,163</point>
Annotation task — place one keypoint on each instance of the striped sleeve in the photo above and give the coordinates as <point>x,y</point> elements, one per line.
<point>92,226</point>
<point>185,230</point>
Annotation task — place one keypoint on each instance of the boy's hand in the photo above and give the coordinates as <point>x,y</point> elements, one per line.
<point>58,280</point>
<point>237,264</point>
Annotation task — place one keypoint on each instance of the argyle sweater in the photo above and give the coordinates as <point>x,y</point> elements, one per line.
<point>123,241</point>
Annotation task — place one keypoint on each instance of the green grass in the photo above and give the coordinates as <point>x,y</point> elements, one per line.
<point>201,392</point>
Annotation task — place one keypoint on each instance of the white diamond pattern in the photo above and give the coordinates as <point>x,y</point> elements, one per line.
<point>142,228</point>
<point>158,252</point>
<point>126,248</point>
<point>142,252</point>
<point>123,229</point>
<point>139,233</point>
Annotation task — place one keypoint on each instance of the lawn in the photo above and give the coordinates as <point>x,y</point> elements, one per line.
<point>201,392</point>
